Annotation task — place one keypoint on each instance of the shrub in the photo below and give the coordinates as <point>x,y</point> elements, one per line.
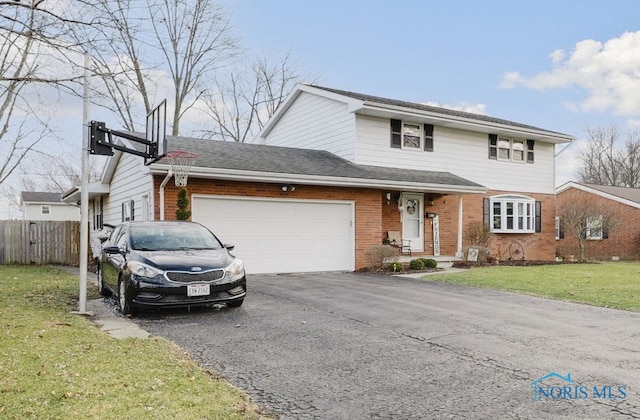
<point>183,212</point>
<point>396,266</point>
<point>417,264</point>
<point>477,235</point>
<point>379,253</point>
<point>429,262</point>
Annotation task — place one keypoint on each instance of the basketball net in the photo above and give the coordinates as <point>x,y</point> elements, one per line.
<point>180,162</point>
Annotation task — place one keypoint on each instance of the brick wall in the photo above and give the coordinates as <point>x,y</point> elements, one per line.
<point>536,246</point>
<point>623,240</point>
<point>368,214</point>
<point>375,214</point>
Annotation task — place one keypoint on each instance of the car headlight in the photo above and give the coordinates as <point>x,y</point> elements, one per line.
<point>143,270</point>
<point>235,270</point>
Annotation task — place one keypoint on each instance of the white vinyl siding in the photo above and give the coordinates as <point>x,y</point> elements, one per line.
<point>130,181</point>
<point>314,122</point>
<point>463,153</point>
<point>34,211</point>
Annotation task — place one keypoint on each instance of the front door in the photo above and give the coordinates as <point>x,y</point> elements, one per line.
<point>413,220</point>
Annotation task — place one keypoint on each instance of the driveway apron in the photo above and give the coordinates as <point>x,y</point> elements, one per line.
<point>356,346</point>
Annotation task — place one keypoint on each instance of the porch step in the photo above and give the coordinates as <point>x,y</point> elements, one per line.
<point>444,261</point>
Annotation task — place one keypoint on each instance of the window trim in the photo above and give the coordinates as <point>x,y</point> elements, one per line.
<point>425,131</point>
<point>519,211</point>
<point>594,229</point>
<point>420,136</point>
<point>128,211</point>
<point>526,151</point>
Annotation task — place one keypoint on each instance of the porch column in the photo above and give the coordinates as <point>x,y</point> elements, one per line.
<point>459,252</point>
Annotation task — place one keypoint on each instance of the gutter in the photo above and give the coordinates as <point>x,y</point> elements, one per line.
<point>161,191</point>
<point>270,177</point>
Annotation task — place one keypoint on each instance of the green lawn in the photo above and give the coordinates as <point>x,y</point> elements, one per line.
<point>54,364</point>
<point>609,284</point>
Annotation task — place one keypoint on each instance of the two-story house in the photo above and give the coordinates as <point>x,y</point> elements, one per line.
<point>335,171</point>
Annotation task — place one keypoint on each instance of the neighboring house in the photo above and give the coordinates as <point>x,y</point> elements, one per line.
<point>47,206</point>
<point>621,241</point>
<point>98,192</point>
<point>335,171</point>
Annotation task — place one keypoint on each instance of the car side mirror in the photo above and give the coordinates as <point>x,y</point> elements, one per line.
<point>112,249</point>
<point>229,246</point>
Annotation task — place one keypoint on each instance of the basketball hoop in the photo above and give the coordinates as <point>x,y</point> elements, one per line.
<point>180,162</point>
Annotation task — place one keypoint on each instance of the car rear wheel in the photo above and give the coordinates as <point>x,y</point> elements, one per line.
<point>235,303</point>
<point>101,289</point>
<point>123,302</point>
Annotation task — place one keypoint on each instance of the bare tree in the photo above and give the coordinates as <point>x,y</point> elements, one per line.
<point>242,105</point>
<point>189,40</point>
<point>606,162</point>
<point>17,136</point>
<point>195,40</point>
<point>585,216</point>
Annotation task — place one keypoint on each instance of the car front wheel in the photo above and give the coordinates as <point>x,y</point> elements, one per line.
<point>123,302</point>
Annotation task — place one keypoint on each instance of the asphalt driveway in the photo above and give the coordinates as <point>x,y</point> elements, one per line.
<point>352,346</point>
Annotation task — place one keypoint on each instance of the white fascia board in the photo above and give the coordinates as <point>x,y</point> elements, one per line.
<point>599,193</point>
<point>466,123</point>
<point>270,177</point>
<point>97,188</point>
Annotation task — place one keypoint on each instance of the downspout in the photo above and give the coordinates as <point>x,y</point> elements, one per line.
<point>459,253</point>
<point>161,192</point>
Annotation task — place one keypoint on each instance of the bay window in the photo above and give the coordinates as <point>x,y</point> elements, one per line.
<point>512,214</point>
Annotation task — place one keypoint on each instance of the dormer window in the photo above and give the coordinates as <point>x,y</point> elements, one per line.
<point>411,136</point>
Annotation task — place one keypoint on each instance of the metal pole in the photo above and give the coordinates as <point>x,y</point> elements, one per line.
<point>84,190</point>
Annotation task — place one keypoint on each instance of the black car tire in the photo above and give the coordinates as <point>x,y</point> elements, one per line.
<point>235,303</point>
<point>123,303</point>
<point>103,291</point>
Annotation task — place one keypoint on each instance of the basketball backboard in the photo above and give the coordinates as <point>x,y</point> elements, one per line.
<point>156,133</point>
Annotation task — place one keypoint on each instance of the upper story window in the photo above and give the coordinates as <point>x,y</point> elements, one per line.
<point>411,135</point>
<point>512,214</point>
<point>45,210</point>
<point>509,149</point>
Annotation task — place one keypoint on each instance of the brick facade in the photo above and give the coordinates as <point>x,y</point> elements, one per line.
<point>623,239</point>
<point>368,211</point>
<point>375,214</point>
<point>536,246</point>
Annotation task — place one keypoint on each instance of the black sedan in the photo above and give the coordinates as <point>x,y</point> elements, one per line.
<point>169,264</point>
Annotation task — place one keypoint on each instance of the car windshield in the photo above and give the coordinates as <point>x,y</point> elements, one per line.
<point>172,238</point>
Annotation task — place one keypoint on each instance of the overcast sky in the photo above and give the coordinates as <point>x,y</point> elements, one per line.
<point>558,65</point>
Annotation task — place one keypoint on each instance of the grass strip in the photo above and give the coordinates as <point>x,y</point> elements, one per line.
<point>54,364</point>
<point>609,284</point>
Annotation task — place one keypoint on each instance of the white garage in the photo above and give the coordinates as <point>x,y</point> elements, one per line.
<point>280,235</point>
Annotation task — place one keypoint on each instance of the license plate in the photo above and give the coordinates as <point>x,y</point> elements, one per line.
<point>198,290</point>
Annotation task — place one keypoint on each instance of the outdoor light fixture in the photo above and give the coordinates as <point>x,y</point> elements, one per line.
<point>287,188</point>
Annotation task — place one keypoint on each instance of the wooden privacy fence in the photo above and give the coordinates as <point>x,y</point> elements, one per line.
<point>39,242</point>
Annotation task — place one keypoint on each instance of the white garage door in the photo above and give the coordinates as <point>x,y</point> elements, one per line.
<point>282,236</point>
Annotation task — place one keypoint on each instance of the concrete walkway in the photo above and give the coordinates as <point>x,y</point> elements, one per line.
<point>105,315</point>
<point>428,273</point>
